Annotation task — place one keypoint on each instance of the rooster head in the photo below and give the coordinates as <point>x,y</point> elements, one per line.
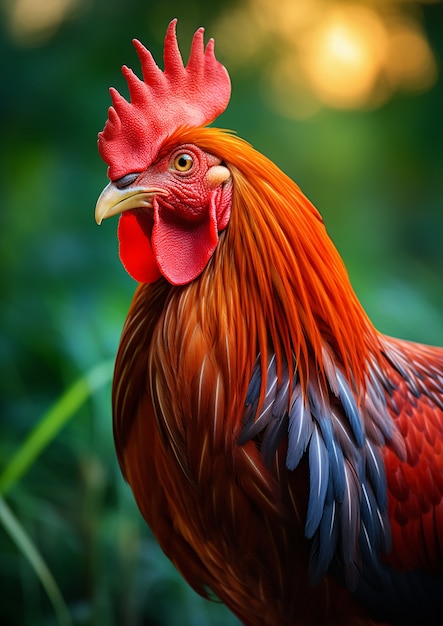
<point>174,198</point>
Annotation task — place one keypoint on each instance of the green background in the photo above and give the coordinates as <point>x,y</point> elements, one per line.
<point>376,175</point>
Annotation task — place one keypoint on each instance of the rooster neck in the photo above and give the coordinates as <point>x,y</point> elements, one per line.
<point>274,285</point>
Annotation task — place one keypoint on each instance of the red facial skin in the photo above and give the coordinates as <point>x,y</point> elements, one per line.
<point>176,235</point>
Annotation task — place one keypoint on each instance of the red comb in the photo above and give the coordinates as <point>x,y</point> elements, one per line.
<point>162,102</point>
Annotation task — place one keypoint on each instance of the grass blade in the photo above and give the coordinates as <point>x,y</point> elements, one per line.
<point>52,421</point>
<point>30,552</point>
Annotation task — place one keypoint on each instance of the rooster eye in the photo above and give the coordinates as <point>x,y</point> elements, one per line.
<point>183,162</point>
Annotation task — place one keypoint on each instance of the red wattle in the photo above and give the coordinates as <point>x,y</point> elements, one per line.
<point>136,255</point>
<point>182,250</point>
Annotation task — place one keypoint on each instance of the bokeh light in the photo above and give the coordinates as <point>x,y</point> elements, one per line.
<point>33,21</point>
<point>345,55</point>
<point>410,63</point>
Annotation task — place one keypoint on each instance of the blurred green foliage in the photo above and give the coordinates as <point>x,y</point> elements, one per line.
<point>376,176</point>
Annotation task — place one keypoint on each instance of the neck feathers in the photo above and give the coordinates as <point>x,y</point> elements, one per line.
<point>290,272</point>
<point>290,281</point>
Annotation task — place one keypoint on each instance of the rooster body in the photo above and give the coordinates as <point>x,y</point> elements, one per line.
<point>286,455</point>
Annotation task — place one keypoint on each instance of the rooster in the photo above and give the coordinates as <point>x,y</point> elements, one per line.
<point>287,456</point>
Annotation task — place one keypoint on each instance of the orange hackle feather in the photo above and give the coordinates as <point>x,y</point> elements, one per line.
<point>290,278</point>
<point>275,283</point>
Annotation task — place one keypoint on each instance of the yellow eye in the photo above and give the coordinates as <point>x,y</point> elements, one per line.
<point>183,162</point>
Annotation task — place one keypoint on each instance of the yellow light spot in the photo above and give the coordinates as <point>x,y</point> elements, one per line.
<point>238,41</point>
<point>33,21</point>
<point>288,19</point>
<point>343,57</point>
<point>342,54</point>
<point>410,63</point>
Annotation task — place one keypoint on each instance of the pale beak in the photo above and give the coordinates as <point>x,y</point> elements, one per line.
<point>113,201</point>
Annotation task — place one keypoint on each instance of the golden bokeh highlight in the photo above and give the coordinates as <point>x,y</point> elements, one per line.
<point>344,56</point>
<point>410,63</point>
<point>315,53</point>
<point>311,53</point>
<point>34,21</point>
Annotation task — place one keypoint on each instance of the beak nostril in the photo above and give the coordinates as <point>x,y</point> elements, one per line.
<point>127,180</point>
